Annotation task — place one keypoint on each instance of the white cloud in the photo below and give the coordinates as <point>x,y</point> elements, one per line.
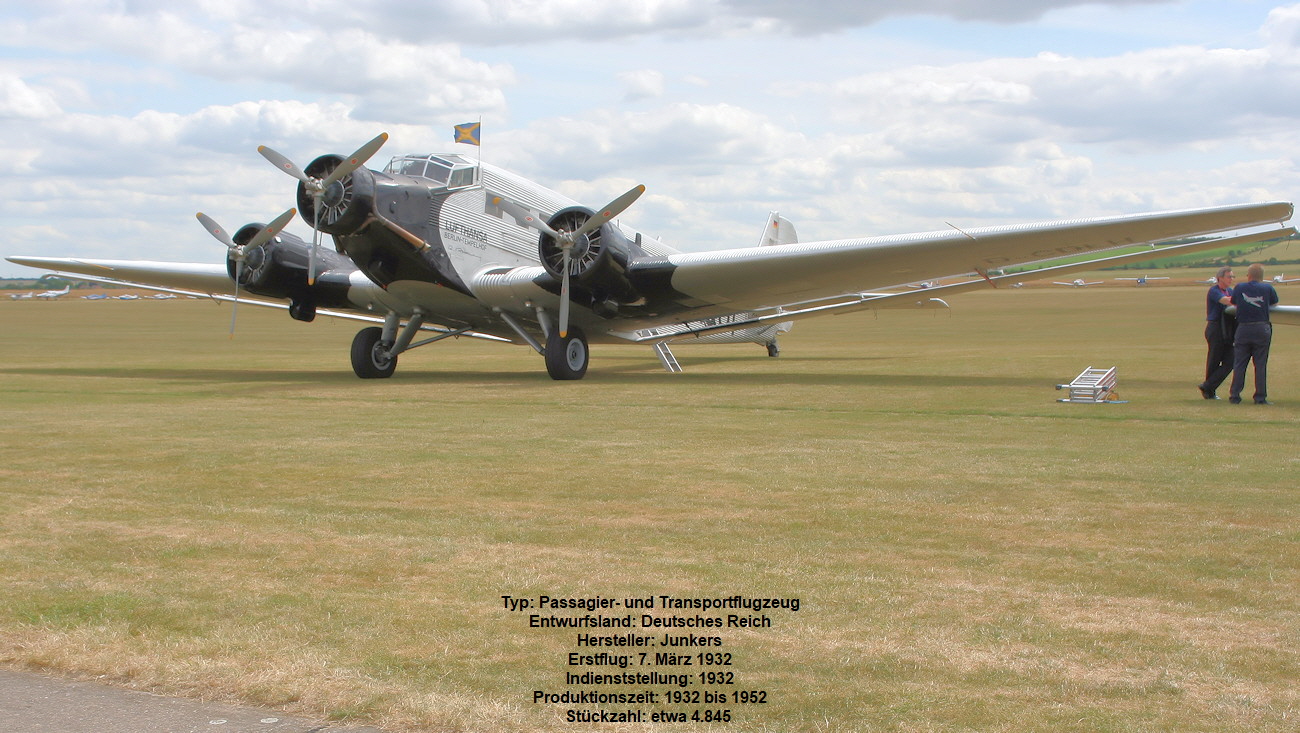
<point>19,100</point>
<point>1282,30</point>
<point>386,78</point>
<point>114,143</point>
<point>835,15</point>
<point>642,84</point>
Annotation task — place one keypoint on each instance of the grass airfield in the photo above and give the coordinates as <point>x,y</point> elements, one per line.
<point>244,520</point>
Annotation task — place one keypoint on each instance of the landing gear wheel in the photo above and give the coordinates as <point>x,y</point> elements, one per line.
<point>773,350</point>
<point>302,309</point>
<point>566,358</point>
<point>370,359</point>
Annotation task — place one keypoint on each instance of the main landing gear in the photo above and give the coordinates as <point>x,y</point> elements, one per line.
<point>375,349</point>
<point>567,356</point>
<point>370,357</point>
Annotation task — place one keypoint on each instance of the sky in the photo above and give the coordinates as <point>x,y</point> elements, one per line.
<point>119,119</point>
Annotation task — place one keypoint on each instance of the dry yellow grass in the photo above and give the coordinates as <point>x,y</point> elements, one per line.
<point>247,521</point>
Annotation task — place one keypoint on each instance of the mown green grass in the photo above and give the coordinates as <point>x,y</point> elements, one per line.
<point>246,520</point>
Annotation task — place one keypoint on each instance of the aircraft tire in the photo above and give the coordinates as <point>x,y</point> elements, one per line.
<point>367,361</point>
<point>567,358</point>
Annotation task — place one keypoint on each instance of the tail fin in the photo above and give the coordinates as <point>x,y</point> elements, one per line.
<point>779,230</point>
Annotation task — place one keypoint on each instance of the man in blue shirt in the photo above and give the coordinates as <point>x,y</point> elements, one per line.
<point>1254,333</point>
<point>1220,328</point>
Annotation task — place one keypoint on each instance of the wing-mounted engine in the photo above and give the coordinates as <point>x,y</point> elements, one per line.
<point>277,268</point>
<point>264,260</point>
<point>598,259</point>
<point>338,205</point>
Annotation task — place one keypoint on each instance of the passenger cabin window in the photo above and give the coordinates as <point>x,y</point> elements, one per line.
<point>447,171</point>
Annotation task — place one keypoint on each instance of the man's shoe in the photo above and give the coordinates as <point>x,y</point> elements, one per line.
<point>1207,393</point>
<point>1263,402</point>
<point>1235,400</point>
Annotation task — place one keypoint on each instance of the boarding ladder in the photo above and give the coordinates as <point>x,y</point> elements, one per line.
<point>666,357</point>
<point>1092,385</point>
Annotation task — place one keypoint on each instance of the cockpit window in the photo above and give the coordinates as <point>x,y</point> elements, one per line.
<point>413,168</point>
<point>450,171</point>
<point>461,177</point>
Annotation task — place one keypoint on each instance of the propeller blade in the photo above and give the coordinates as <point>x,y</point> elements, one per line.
<point>215,230</point>
<point>523,216</point>
<point>564,295</point>
<point>283,163</point>
<point>615,207</point>
<point>234,306</point>
<point>315,242</point>
<point>272,229</point>
<point>356,161</point>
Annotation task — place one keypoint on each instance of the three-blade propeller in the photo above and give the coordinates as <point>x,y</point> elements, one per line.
<point>237,252</point>
<point>318,186</point>
<point>566,240</point>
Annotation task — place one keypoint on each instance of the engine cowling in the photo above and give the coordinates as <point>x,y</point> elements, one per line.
<point>345,205</point>
<point>278,268</point>
<point>598,261</point>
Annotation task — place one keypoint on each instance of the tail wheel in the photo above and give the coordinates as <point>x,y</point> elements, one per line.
<point>567,356</point>
<point>370,359</point>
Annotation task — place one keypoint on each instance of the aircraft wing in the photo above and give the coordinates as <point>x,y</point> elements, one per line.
<point>746,279</point>
<point>1285,314</point>
<point>194,279</point>
<point>928,299</point>
<point>187,278</point>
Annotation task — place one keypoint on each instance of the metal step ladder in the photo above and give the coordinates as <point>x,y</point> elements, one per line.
<point>1093,386</point>
<point>666,357</point>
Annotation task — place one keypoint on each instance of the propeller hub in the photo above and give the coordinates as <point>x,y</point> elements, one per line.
<point>333,194</point>
<point>254,259</point>
<point>581,244</point>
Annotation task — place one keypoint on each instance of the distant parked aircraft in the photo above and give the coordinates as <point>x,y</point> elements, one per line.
<point>1142,280</point>
<point>1078,283</point>
<point>47,295</point>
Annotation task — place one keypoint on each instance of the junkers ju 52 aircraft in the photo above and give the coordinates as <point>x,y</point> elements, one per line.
<point>447,244</point>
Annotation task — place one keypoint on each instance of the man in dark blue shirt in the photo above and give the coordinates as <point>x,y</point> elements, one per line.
<point>1254,333</point>
<point>1220,328</point>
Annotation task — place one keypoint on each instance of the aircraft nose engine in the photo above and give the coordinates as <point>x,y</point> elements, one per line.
<point>345,204</point>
